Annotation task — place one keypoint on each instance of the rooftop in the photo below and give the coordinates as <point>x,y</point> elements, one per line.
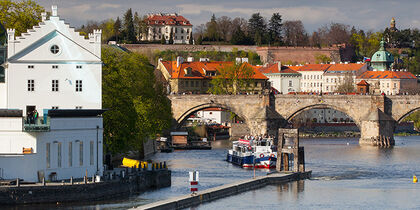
<point>387,75</point>
<point>274,68</point>
<point>314,67</point>
<point>167,19</point>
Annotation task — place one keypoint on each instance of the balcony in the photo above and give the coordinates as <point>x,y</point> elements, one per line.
<point>36,125</point>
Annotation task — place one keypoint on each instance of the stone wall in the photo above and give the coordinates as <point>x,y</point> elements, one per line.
<point>151,48</point>
<point>238,129</point>
<point>149,148</point>
<point>53,193</point>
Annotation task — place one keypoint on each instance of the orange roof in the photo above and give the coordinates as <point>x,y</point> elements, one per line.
<point>387,75</point>
<point>199,69</point>
<point>296,68</point>
<point>274,68</point>
<point>314,67</point>
<point>213,109</point>
<point>159,19</point>
<point>363,82</point>
<point>346,67</point>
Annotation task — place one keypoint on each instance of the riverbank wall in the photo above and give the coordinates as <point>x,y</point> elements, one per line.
<point>134,182</point>
<point>215,193</point>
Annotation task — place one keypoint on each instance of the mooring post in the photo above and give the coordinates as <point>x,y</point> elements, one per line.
<point>71,180</point>
<point>17,182</point>
<point>85,179</point>
<point>43,181</point>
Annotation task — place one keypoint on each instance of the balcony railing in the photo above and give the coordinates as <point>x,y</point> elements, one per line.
<point>36,125</point>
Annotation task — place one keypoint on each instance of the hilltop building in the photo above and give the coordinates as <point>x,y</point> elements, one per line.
<point>166,26</point>
<point>51,103</point>
<point>195,76</point>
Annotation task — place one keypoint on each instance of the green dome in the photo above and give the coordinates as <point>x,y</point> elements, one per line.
<point>382,59</point>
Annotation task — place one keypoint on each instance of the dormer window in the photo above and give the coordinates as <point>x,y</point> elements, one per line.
<point>188,71</point>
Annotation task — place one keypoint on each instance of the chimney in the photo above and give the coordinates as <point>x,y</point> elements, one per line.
<point>179,61</point>
<point>54,10</point>
<point>238,60</point>
<point>44,16</point>
<point>190,59</point>
<point>279,65</point>
<point>245,60</point>
<point>10,42</point>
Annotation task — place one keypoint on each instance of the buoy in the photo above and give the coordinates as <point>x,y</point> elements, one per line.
<point>414,179</point>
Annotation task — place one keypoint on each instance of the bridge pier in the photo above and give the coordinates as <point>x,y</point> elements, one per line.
<point>377,129</point>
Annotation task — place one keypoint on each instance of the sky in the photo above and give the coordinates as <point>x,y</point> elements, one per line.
<point>363,14</point>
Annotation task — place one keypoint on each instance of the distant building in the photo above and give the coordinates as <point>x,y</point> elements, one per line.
<point>390,82</point>
<point>382,60</point>
<point>283,78</point>
<point>163,25</point>
<point>312,77</point>
<point>338,74</point>
<point>210,116</point>
<point>50,103</point>
<point>195,76</point>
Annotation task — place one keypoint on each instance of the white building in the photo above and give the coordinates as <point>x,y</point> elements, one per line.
<point>54,70</point>
<point>283,78</point>
<point>162,25</point>
<point>338,74</point>
<point>211,115</point>
<point>312,77</point>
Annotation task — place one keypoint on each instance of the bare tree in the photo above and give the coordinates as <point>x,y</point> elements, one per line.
<point>225,27</point>
<point>334,33</point>
<point>346,84</point>
<point>294,33</point>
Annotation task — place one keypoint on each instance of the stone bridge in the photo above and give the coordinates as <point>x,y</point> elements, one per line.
<point>375,116</point>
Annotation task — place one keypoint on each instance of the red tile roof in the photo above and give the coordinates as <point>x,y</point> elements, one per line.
<point>363,82</point>
<point>274,68</point>
<point>161,19</point>
<point>199,69</point>
<point>314,67</point>
<point>387,75</point>
<point>346,67</point>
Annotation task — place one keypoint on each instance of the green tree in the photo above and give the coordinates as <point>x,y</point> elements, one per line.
<point>275,29</point>
<point>240,38</point>
<point>212,33</point>
<point>117,29</point>
<point>20,15</point>
<point>108,32</point>
<point>200,40</point>
<point>138,106</point>
<point>257,28</point>
<point>321,58</point>
<point>191,39</point>
<point>233,78</point>
<point>129,30</point>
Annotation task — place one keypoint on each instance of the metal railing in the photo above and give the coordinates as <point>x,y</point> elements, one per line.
<point>31,124</point>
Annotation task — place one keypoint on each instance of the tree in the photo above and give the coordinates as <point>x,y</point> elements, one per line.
<point>212,33</point>
<point>138,107</point>
<point>191,39</point>
<point>275,29</point>
<point>163,40</point>
<point>224,26</point>
<point>129,30</point>
<point>294,33</point>
<point>200,40</point>
<point>117,29</point>
<point>171,37</point>
<point>346,84</point>
<point>321,58</point>
<point>239,37</point>
<point>20,15</point>
<point>334,33</point>
<point>232,78</point>
<point>257,28</point>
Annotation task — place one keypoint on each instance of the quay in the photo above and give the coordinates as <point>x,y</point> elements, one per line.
<point>215,193</point>
<point>132,181</point>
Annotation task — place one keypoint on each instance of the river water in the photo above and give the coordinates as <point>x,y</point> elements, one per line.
<point>344,176</point>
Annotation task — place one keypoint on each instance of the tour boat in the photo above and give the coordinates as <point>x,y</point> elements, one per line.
<point>258,153</point>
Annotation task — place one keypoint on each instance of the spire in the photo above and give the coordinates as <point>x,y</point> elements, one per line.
<point>382,44</point>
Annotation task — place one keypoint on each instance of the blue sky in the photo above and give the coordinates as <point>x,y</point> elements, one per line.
<point>364,14</point>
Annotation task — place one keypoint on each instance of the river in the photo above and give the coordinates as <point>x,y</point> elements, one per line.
<point>345,176</point>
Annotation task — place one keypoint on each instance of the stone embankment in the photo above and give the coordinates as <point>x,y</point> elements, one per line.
<point>208,195</point>
<point>134,182</point>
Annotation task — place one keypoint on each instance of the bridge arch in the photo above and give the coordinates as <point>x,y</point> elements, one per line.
<point>400,119</point>
<point>322,106</point>
<point>181,120</point>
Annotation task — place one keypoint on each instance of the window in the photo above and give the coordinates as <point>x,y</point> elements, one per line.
<point>31,66</point>
<point>59,155</point>
<point>55,66</point>
<point>205,84</point>
<point>290,83</point>
<point>387,85</point>
<point>31,85</point>
<point>79,86</point>
<point>78,67</point>
<point>54,107</point>
<point>78,107</point>
<point>91,152</point>
<point>182,37</point>
<point>70,154</point>
<point>54,85</point>
<point>181,84</point>
<point>188,30</point>
<point>81,153</point>
<point>176,37</point>
<point>55,49</point>
<point>197,84</point>
<point>395,85</point>
<point>48,153</point>
<point>176,30</point>
<point>186,83</point>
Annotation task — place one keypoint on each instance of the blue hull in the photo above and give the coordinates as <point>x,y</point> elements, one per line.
<point>241,161</point>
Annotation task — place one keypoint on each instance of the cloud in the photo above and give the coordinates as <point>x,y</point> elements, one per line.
<point>109,6</point>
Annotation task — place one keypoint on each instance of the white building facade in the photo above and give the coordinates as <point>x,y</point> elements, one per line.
<point>284,79</point>
<point>55,71</point>
<point>312,77</point>
<point>162,25</point>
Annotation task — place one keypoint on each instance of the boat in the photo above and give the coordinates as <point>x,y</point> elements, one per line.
<point>256,153</point>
